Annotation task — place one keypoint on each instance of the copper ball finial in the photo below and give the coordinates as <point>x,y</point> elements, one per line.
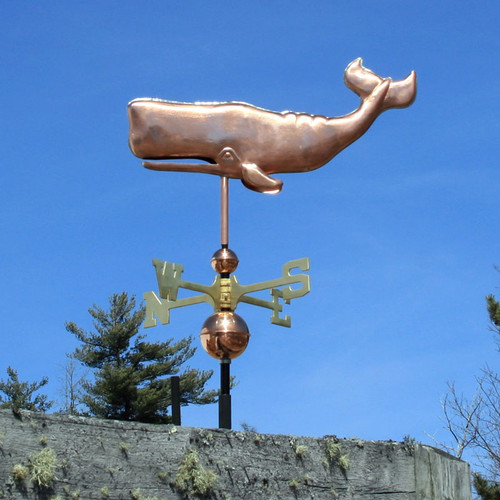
<point>224,261</point>
<point>224,335</point>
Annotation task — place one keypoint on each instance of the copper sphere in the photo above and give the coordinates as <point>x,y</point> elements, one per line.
<point>224,261</point>
<point>224,335</point>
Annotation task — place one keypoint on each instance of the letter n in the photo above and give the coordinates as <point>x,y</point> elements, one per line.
<point>155,307</point>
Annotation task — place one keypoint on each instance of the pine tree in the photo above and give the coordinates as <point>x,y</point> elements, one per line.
<point>487,490</point>
<point>20,395</point>
<point>493,307</point>
<point>130,373</point>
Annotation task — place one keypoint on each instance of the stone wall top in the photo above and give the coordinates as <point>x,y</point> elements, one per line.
<point>90,458</point>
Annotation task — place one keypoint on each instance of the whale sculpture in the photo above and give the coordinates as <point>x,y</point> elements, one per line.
<point>242,141</point>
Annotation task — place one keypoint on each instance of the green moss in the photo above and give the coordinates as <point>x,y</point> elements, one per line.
<point>343,462</point>
<point>192,478</point>
<point>300,450</point>
<point>334,454</point>
<point>137,495</point>
<point>124,447</point>
<point>294,484</point>
<point>43,468</point>
<point>43,440</point>
<point>105,492</point>
<point>19,473</point>
<point>75,495</point>
<point>162,476</point>
<point>207,438</point>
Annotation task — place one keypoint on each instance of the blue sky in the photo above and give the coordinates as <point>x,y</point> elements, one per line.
<point>401,228</point>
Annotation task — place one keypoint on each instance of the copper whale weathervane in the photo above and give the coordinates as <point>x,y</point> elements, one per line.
<point>242,141</point>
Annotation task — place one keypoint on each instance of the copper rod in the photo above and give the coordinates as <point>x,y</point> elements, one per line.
<point>224,211</point>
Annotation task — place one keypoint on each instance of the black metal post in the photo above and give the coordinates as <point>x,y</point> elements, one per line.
<point>225,396</point>
<point>176,400</point>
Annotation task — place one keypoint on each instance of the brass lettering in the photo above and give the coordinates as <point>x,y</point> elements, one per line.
<point>155,307</point>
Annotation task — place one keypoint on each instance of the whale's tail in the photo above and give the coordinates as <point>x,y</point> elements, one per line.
<point>361,80</point>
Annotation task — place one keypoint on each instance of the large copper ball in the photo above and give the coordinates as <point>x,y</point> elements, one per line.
<point>224,335</point>
<point>224,261</point>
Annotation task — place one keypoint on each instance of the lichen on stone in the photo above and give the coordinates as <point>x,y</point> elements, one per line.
<point>334,454</point>
<point>192,478</point>
<point>43,468</point>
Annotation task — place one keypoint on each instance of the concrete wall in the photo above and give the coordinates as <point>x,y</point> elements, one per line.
<point>99,459</point>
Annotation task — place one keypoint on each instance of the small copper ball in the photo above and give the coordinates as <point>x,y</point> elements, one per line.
<point>224,261</point>
<point>224,335</point>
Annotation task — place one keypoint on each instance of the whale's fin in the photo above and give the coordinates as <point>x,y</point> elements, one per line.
<point>362,81</point>
<point>254,178</point>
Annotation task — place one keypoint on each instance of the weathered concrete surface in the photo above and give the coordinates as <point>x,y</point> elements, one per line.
<point>436,477</point>
<point>99,459</point>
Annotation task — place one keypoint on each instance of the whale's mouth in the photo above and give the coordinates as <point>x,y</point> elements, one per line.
<point>182,164</point>
<point>227,164</point>
<point>182,160</point>
<point>250,174</point>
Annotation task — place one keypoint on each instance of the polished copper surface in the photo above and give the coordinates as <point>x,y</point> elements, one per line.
<point>224,335</point>
<point>224,211</point>
<point>224,261</point>
<point>245,142</point>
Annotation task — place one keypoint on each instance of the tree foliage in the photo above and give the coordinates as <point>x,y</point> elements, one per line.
<point>487,490</point>
<point>21,395</point>
<point>475,423</point>
<point>130,374</point>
